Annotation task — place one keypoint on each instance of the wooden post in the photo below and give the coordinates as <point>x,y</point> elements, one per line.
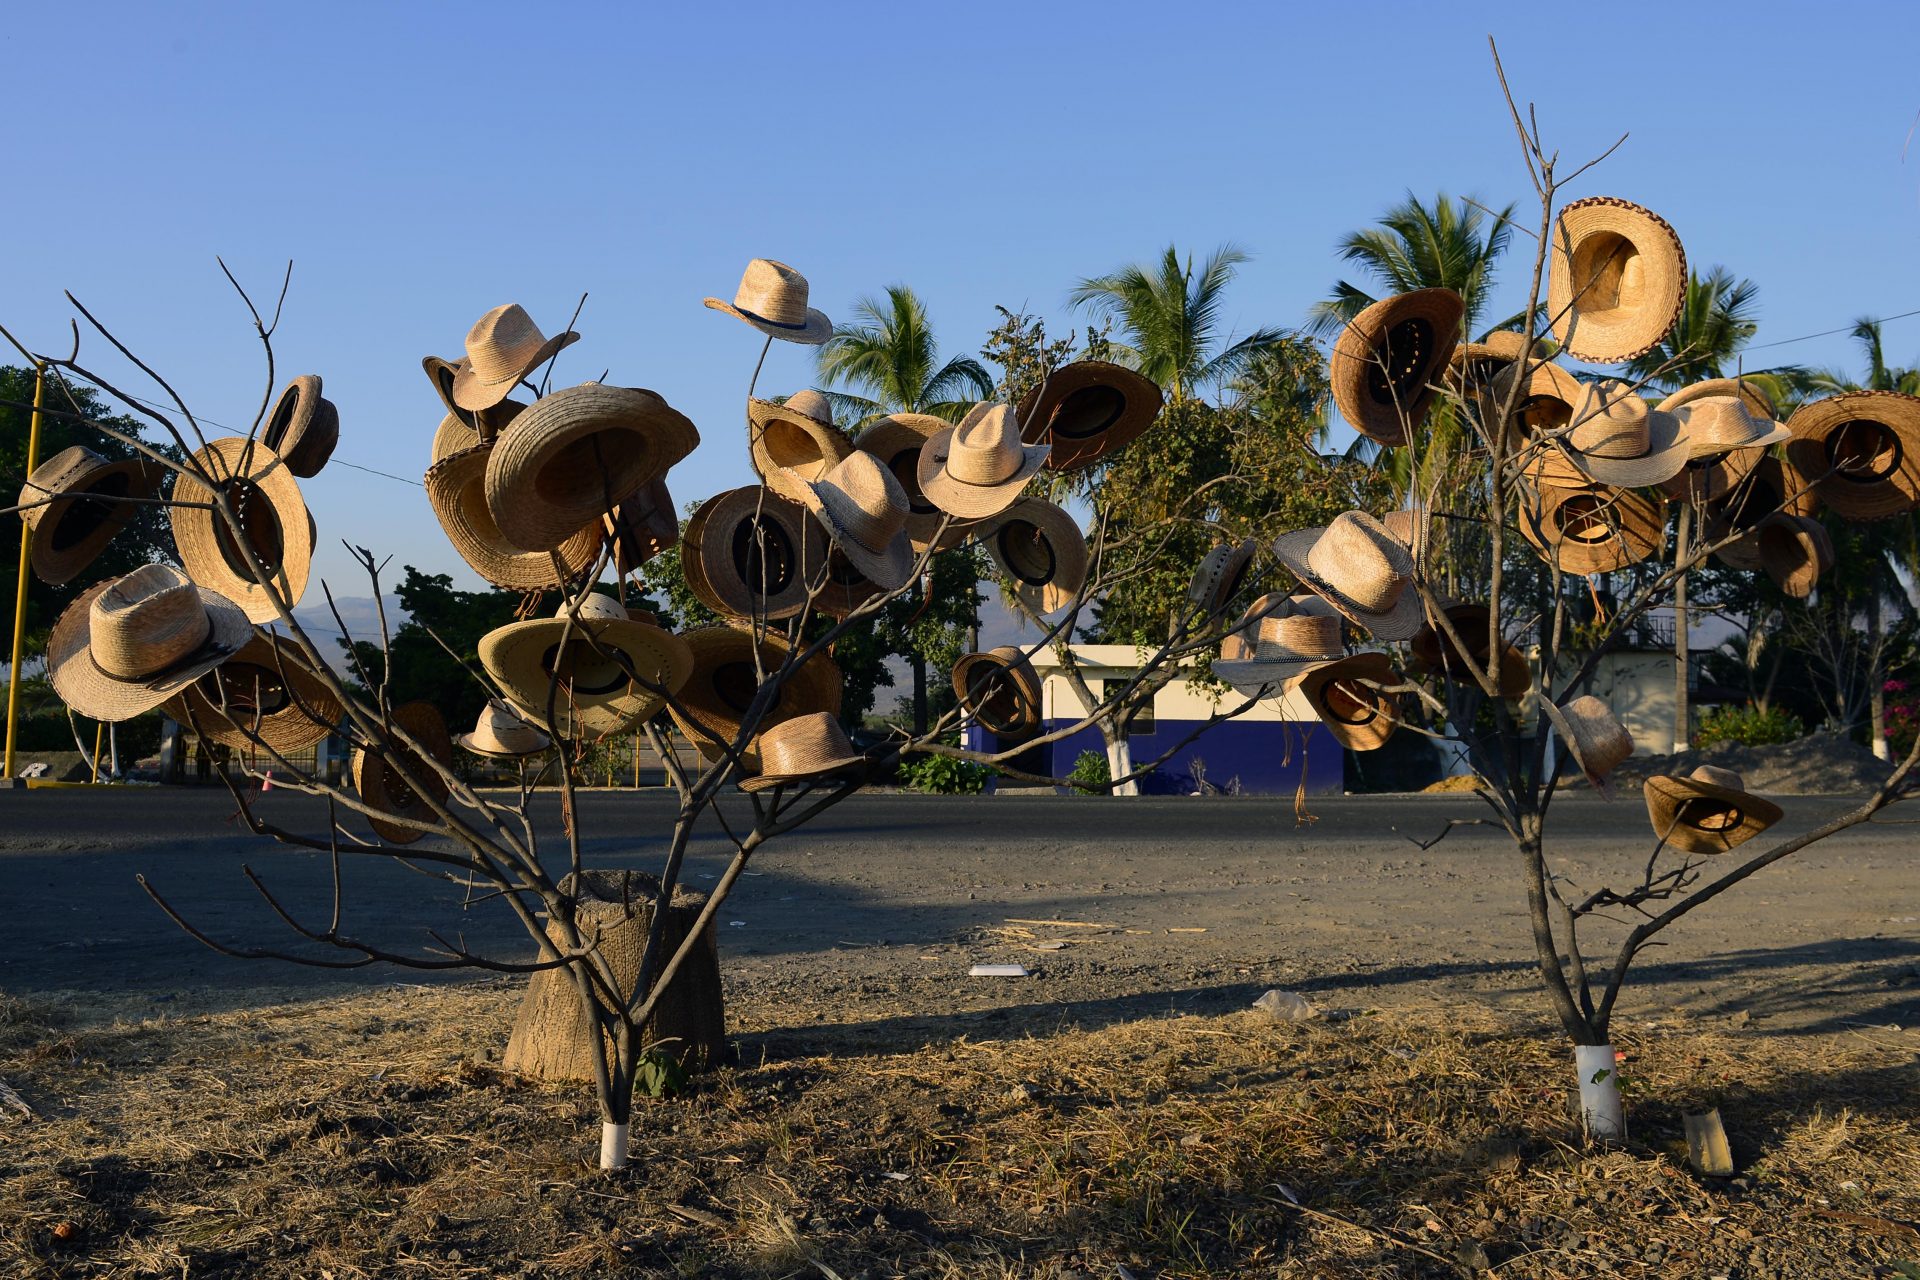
<point>26,567</point>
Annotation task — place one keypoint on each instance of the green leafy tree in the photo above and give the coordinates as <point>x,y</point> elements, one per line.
<point>421,669</point>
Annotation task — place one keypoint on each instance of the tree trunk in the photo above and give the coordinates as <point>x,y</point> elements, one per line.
<point>1876,682</point>
<point>1682,715</point>
<point>1119,758</point>
<point>919,665</point>
<point>553,1035</point>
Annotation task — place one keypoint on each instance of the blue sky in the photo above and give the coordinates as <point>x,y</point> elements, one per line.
<point>422,163</point>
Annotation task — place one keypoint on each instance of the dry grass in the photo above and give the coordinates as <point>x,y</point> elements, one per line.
<point>368,1136</point>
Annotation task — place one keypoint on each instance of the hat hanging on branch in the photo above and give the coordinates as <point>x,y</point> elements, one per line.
<point>457,491</point>
<point>1774,485</point>
<point>1220,575</point>
<point>1473,366</point>
<point>304,426</point>
<point>381,785</point>
<point>1758,402</point>
<point>265,696</point>
<point>1000,690</point>
<point>500,734</point>
<point>1087,410</point>
<point>456,434</point>
<point>897,440</point>
<point>591,667</point>
<point>772,297</point>
<point>1358,566</point>
<point>1593,735</point>
<point>1613,439</point>
<point>1040,547</point>
<point>93,504</point>
<point>1708,811</point>
<point>504,346</point>
<point>482,424</point>
<point>642,526</point>
<point>978,468</point>
<point>272,516</point>
<point>1545,405</point>
<point>1594,529</point>
<point>1301,634</point>
<point>1616,280</point>
<point>809,748</point>
<point>1387,360</point>
<point>1862,450</point>
<point>1349,697</point>
<point>1724,439</point>
<point>1795,551</point>
<point>794,443</point>
<point>1239,644</point>
<point>1434,651</point>
<point>864,511</point>
<point>721,688</point>
<point>127,645</point>
<point>748,552</point>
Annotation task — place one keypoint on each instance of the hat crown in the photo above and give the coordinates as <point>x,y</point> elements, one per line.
<point>58,473</point>
<point>773,291</point>
<point>872,505</point>
<point>1291,635</point>
<point>986,448</point>
<point>502,341</point>
<point>146,622</point>
<point>1610,421</point>
<point>1359,558</point>
<point>1601,741</point>
<point>1715,776</point>
<point>595,606</point>
<point>810,404</point>
<point>803,744</point>
<point>1723,421</point>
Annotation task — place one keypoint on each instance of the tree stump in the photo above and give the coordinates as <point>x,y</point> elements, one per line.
<point>552,1036</point>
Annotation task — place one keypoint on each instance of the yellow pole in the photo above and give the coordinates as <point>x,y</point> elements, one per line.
<point>99,732</point>
<point>20,594</point>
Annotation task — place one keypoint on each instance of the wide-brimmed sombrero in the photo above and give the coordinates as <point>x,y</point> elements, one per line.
<point>273,519</point>
<point>809,748</point>
<point>457,491</point>
<point>383,788</point>
<point>1473,366</point>
<point>1435,651</point>
<point>504,346</point>
<point>456,434</point>
<point>897,441</point>
<point>1593,529</point>
<point>1862,451</point>
<point>93,503</point>
<point>978,468</point>
<point>1358,566</point>
<point>1775,485</point>
<point>864,511</point>
<point>1298,635</point>
<point>794,439</point>
<point>1616,280</point>
<point>772,297</point>
<point>1593,736</point>
<point>642,526</point>
<point>1087,410</point>
<point>502,735</point>
<point>1388,359</point>
<point>1725,440</point>
<point>1360,716</point>
<point>1544,405</point>
<point>1039,546</point>
<point>1794,551</point>
<point>1614,439</point>
<point>303,427</point>
<point>748,553</point>
<point>594,677</point>
<point>1708,811</point>
<point>573,455</point>
<point>1000,690</point>
<point>721,689</point>
<point>127,645</point>
<point>265,697</point>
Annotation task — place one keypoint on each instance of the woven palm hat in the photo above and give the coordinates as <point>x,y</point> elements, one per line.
<point>1759,403</point>
<point>978,468</point>
<point>1087,410</point>
<point>897,440</point>
<point>1616,280</point>
<point>1594,529</point>
<point>303,427</point>
<point>1545,404</point>
<point>504,346</point>
<point>1358,566</point>
<point>1000,690</point>
<point>1360,717</point>
<point>605,653</point>
<point>1862,450</point>
<point>457,431</point>
<point>1474,365</point>
<point>1434,650</point>
<point>573,455</point>
<point>1774,485</point>
<point>457,491</point>
<point>772,297</point>
<point>127,645</point>
<point>842,588</point>
<point>1238,644</point>
<point>1593,735</point>
<point>90,504</point>
<point>792,443</point>
<point>1794,551</point>
<point>749,553</point>
<point>1387,359</point>
<point>501,734</point>
<point>1614,439</point>
<point>1708,811</point>
<point>717,695</point>
<point>272,516</point>
<point>265,695</point>
<point>642,526</point>
<point>1298,635</point>
<point>381,785</point>
<point>1040,547</point>
<point>803,749</point>
<point>1724,441</point>
<point>864,510</point>
<point>1220,575</point>
<point>483,423</point>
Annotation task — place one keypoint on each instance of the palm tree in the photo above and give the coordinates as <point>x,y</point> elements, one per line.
<point>1170,318</point>
<point>1880,376</point>
<point>1448,245</point>
<point>1716,321</point>
<point>889,353</point>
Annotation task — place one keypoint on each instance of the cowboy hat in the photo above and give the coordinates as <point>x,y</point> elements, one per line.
<point>1360,717</point>
<point>978,468</point>
<point>85,502</point>
<point>265,696</point>
<point>1300,635</point>
<point>794,439</point>
<point>303,427</point>
<point>483,423</point>
<point>803,749</point>
<point>381,786</point>
<point>127,645</point>
<point>1087,410</point>
<point>1615,439</point>
<point>597,676</point>
<point>1238,644</point>
<point>897,440</point>
<point>1358,566</point>
<point>1593,735</point>
<point>1758,401</point>
<point>577,453</point>
<point>456,434</point>
<point>457,491</point>
<point>864,511</point>
<point>499,733</point>
<point>843,588</point>
<point>1000,690</point>
<point>642,526</point>
<point>1708,811</point>
<point>772,297</point>
<point>1220,575</point>
<point>1545,403</point>
<point>1615,282</point>
<point>749,553</point>
<point>1794,551</point>
<point>1387,358</point>
<point>723,684</point>
<point>1774,485</point>
<point>1040,547</point>
<point>1594,528</point>
<point>504,346</point>
<point>1434,650</point>
<point>1724,438</point>
<point>1862,451</point>
<point>272,516</point>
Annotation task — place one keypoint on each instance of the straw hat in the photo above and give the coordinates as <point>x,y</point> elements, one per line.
<point>748,553</point>
<point>127,645</point>
<point>1434,650</point>
<point>1360,717</point>
<point>1000,690</point>
<point>1545,404</point>
<point>72,530</point>
<point>1387,359</point>
<point>1616,280</point>
<point>607,652</point>
<point>772,297</point>
<point>864,510</point>
<point>1220,575</point>
<point>1087,410</point>
<point>381,786</point>
<point>303,427</point>
<point>266,694</point>
<point>1795,551</point>
<point>1614,439</point>
<point>897,440</point>
<point>575,454</point>
<point>1238,644</point>
<point>503,735</point>
<point>504,346</point>
<point>978,468</point>
<point>1041,548</point>
<point>1594,528</point>
<point>1862,451</point>
<point>483,423</point>
<point>1724,438</point>
<point>1359,567</point>
<point>1758,401</point>
<point>792,443</point>
<point>457,491</point>
<point>1593,735</point>
<point>273,518</point>
<point>1774,485</point>
<point>1473,365</point>
<point>1298,635</point>
<point>642,526</point>
<point>723,684</point>
<point>1708,811</point>
<point>457,432</point>
<point>844,588</point>
<point>803,749</point>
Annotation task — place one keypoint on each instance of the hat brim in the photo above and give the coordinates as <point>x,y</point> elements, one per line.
<point>704,712</point>
<point>973,501</point>
<point>422,722</point>
<point>472,392</point>
<point>1758,402</point>
<point>1637,529</point>
<point>1061,413</point>
<point>1601,334</point>
<point>499,751</point>
<point>1363,735</point>
<point>890,566</point>
<point>815,331</point>
<point>1010,664</point>
<point>97,695</point>
<point>1252,675</point>
<point>642,526</point>
<point>200,534</point>
<point>1220,575</point>
<point>1401,622</point>
<point>1853,498</point>
<point>1361,391</point>
<point>1665,458</point>
<point>719,581</point>
<point>515,656</point>
<point>827,769</point>
<point>310,713</point>
<point>1065,546</point>
<point>457,491</point>
<point>55,564</point>
<point>304,427</point>
<point>771,432</point>
<point>1666,795</point>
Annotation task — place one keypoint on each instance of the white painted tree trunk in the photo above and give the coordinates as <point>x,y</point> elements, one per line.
<point>1599,1074</point>
<point>1120,764</point>
<point>613,1145</point>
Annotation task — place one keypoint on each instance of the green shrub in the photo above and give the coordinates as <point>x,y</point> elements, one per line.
<point>944,776</point>
<point>1090,771</point>
<point>1747,726</point>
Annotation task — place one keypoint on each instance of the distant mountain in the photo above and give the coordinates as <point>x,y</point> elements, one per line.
<point>360,614</point>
